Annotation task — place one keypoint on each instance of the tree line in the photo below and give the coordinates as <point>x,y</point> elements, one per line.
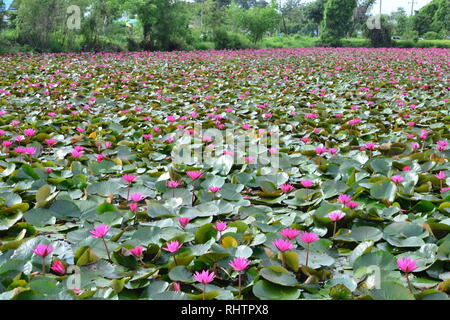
<point>114,25</point>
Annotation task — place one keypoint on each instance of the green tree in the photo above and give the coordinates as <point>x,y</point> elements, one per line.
<point>337,21</point>
<point>164,22</point>
<point>399,19</point>
<point>314,13</point>
<point>435,16</point>
<point>258,21</point>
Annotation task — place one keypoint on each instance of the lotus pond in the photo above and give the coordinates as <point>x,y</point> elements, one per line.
<point>339,189</point>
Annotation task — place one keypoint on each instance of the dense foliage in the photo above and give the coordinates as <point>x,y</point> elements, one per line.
<point>358,208</point>
<point>131,25</point>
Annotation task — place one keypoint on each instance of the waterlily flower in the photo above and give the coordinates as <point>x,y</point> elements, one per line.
<point>129,178</point>
<point>136,197</point>
<point>100,231</point>
<point>43,250</point>
<point>173,246</point>
<point>286,188</point>
<point>184,221</point>
<point>336,215</point>
<point>309,237</point>
<point>397,179</point>
<point>407,265</point>
<point>220,226</point>
<point>344,198</point>
<point>172,184</point>
<point>307,183</point>
<point>204,277</point>
<point>214,189</point>
<point>440,175</point>
<point>194,175</point>
<point>239,264</point>
<point>29,132</point>
<point>290,233</point>
<point>58,267</point>
<point>283,245</point>
<point>137,251</point>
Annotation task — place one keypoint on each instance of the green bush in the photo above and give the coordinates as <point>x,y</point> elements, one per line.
<point>431,35</point>
<point>230,40</point>
<point>404,44</point>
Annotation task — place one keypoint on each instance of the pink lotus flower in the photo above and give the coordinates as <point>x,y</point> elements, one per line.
<point>415,146</point>
<point>133,206</point>
<point>214,189</point>
<point>136,197</point>
<point>147,136</point>
<point>176,286</point>
<point>407,265</point>
<point>220,226</point>
<point>320,150</point>
<point>77,154</point>
<point>100,231</point>
<point>249,159</point>
<point>286,188</point>
<point>306,183</point>
<point>19,150</point>
<point>51,142</point>
<point>239,264</point>
<point>172,184</point>
<point>370,146</point>
<point>336,215</point>
<point>29,132</point>
<point>173,246</point>
<point>397,179</point>
<point>137,251</point>
<point>58,267</point>
<point>7,143</point>
<point>194,175</point>
<point>333,151</point>
<point>352,205</point>
<point>100,158</point>
<point>309,237</point>
<point>290,233</point>
<point>129,178</point>
<point>406,168</point>
<point>440,175</point>
<point>343,198</point>
<point>43,250</point>
<point>283,245</point>
<point>204,276</point>
<point>184,221</point>
<point>228,152</point>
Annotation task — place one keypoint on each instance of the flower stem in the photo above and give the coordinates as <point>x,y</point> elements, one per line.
<point>204,290</point>
<point>43,265</point>
<point>409,283</point>
<point>240,290</point>
<point>106,247</point>
<point>175,260</point>
<point>334,229</point>
<point>307,254</point>
<point>282,259</point>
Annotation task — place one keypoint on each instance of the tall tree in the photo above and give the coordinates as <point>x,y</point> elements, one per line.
<point>337,21</point>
